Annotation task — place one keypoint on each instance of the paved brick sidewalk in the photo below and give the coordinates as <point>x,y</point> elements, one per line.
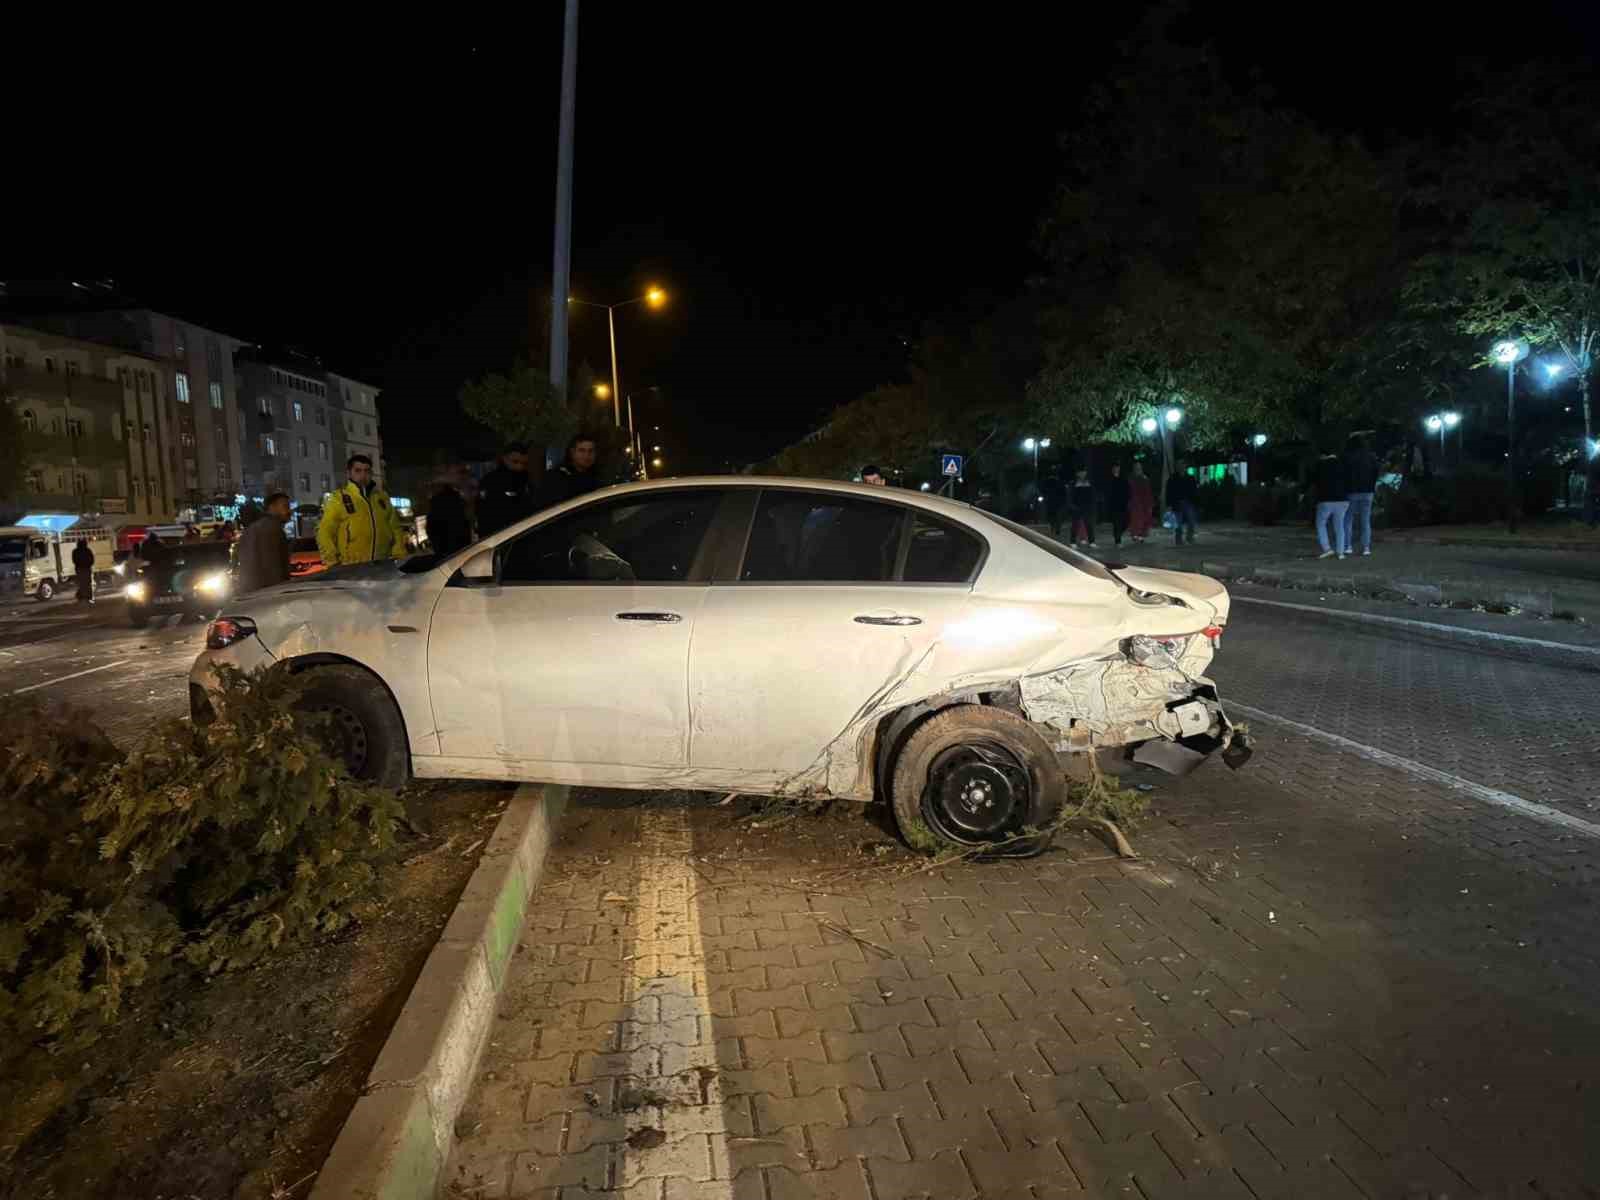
<point>1322,980</point>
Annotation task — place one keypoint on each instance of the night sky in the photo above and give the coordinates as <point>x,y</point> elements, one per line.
<point>813,185</point>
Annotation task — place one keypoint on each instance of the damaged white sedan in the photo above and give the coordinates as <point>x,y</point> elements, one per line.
<point>766,636</point>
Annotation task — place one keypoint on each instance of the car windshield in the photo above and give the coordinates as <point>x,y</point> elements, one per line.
<point>1055,549</point>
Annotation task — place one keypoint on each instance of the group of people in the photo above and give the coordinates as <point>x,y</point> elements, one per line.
<point>1344,487</point>
<point>1128,502</point>
<point>506,494</point>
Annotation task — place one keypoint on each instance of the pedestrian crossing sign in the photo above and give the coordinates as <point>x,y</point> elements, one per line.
<point>951,468</point>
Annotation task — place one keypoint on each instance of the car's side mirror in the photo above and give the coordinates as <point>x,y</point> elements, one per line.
<point>480,567</point>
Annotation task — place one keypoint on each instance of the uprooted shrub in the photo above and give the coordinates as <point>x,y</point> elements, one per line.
<point>205,847</point>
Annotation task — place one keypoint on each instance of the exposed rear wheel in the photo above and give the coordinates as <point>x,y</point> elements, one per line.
<point>975,778</point>
<point>364,729</point>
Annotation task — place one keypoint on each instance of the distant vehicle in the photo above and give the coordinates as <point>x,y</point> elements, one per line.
<point>774,637</point>
<point>192,578</point>
<point>304,558</point>
<point>36,560</point>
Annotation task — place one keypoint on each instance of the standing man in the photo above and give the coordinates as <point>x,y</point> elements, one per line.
<point>1054,492</point>
<point>83,568</point>
<point>1117,502</point>
<point>1084,505</point>
<point>358,523</point>
<point>504,495</point>
<point>575,476</point>
<point>449,528</point>
<point>263,550</point>
<point>1181,491</point>
<point>1361,477</point>
<point>871,474</point>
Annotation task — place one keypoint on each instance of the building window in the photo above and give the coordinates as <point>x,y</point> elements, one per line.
<point>136,489</point>
<point>269,447</point>
<point>213,360</point>
<point>324,485</point>
<point>299,414</point>
<point>32,483</point>
<point>150,486</point>
<point>15,360</point>
<point>266,406</point>
<point>305,484</point>
<point>183,387</point>
<point>322,449</point>
<point>186,439</point>
<point>74,427</point>
<point>50,365</point>
<point>222,474</point>
<point>72,368</point>
<point>216,395</point>
<point>302,447</point>
<point>322,416</point>
<point>147,431</point>
<point>28,421</point>
<point>130,427</point>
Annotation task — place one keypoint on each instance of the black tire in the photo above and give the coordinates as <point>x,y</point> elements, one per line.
<point>138,617</point>
<point>44,591</point>
<point>973,777</point>
<point>365,728</point>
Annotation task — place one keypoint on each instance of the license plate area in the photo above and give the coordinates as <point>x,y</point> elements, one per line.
<point>167,600</point>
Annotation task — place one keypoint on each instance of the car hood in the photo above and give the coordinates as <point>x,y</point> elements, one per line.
<point>354,575</point>
<point>1199,592</point>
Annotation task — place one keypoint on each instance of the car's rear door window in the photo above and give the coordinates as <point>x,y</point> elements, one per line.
<point>650,537</point>
<point>817,537</point>
<point>940,552</point>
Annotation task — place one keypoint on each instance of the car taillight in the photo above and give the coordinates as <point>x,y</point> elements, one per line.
<point>1214,632</point>
<point>225,631</point>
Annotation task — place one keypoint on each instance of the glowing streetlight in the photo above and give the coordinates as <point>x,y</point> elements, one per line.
<point>1259,440</point>
<point>1552,371</point>
<point>927,487</point>
<point>1035,444</point>
<point>1507,354</point>
<point>654,297</point>
<point>1174,415</point>
<point>602,391</point>
<point>656,463</point>
<point>1149,424</point>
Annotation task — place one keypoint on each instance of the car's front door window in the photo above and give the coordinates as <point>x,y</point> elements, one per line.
<point>637,539</point>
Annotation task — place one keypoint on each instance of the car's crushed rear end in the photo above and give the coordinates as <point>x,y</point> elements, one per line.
<point>1145,693</point>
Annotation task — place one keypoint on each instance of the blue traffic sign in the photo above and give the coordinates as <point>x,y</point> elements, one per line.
<point>952,466</point>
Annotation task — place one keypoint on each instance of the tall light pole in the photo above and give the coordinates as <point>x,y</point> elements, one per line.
<point>1508,353</point>
<point>654,297</point>
<point>561,259</point>
<point>1440,423</point>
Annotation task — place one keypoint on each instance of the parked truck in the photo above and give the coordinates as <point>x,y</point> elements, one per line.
<point>36,555</point>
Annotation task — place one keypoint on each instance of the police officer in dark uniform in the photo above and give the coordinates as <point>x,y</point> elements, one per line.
<point>504,495</point>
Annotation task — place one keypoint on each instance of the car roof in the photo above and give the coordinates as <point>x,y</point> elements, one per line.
<point>865,491</point>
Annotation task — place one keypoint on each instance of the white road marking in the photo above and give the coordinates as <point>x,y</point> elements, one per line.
<point>121,662</point>
<point>1434,626</point>
<point>1489,795</point>
<point>669,993</point>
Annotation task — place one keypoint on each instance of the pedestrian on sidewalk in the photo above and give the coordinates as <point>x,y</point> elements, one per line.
<point>1117,497</point>
<point>1361,477</point>
<point>83,568</point>
<point>1141,504</point>
<point>263,550</point>
<point>1084,505</point>
<point>1333,501</point>
<point>1181,491</point>
<point>1054,491</point>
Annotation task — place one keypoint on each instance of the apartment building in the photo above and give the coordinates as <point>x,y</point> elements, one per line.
<point>290,426</point>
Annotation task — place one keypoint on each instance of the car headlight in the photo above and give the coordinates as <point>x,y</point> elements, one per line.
<point>213,584</point>
<point>137,591</point>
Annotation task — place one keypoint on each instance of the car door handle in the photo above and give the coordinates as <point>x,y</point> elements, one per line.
<point>664,618</point>
<point>865,619</point>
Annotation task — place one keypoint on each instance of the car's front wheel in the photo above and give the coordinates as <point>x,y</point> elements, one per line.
<point>978,778</point>
<point>364,728</point>
<point>138,617</point>
<point>45,590</point>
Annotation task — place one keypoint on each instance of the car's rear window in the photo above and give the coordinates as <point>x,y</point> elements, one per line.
<point>1055,549</point>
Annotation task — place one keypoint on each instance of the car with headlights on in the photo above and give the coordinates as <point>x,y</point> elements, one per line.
<point>769,636</point>
<point>192,578</point>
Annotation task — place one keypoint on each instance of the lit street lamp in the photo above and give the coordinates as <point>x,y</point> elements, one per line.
<point>1148,424</point>
<point>1507,354</point>
<point>1259,440</point>
<point>653,297</point>
<point>1440,423</point>
<point>1035,444</point>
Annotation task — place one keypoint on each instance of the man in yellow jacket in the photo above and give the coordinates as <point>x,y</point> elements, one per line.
<point>358,522</point>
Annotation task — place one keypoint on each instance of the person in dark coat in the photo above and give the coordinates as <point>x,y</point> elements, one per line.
<point>1182,488</point>
<point>505,494</point>
<point>1085,505</point>
<point>1333,501</point>
<point>83,568</point>
<point>575,476</point>
<point>263,551</point>
<point>449,527</point>
<point>1117,495</point>
<point>1361,478</point>
<point>1054,492</point>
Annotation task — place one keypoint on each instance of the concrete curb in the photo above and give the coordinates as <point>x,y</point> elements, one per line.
<point>396,1141</point>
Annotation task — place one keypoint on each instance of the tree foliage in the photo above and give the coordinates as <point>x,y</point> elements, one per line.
<point>208,846</point>
<point>520,405</point>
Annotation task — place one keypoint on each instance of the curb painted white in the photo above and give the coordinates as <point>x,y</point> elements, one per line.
<point>1489,795</point>
<point>1430,626</point>
<point>396,1141</point>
